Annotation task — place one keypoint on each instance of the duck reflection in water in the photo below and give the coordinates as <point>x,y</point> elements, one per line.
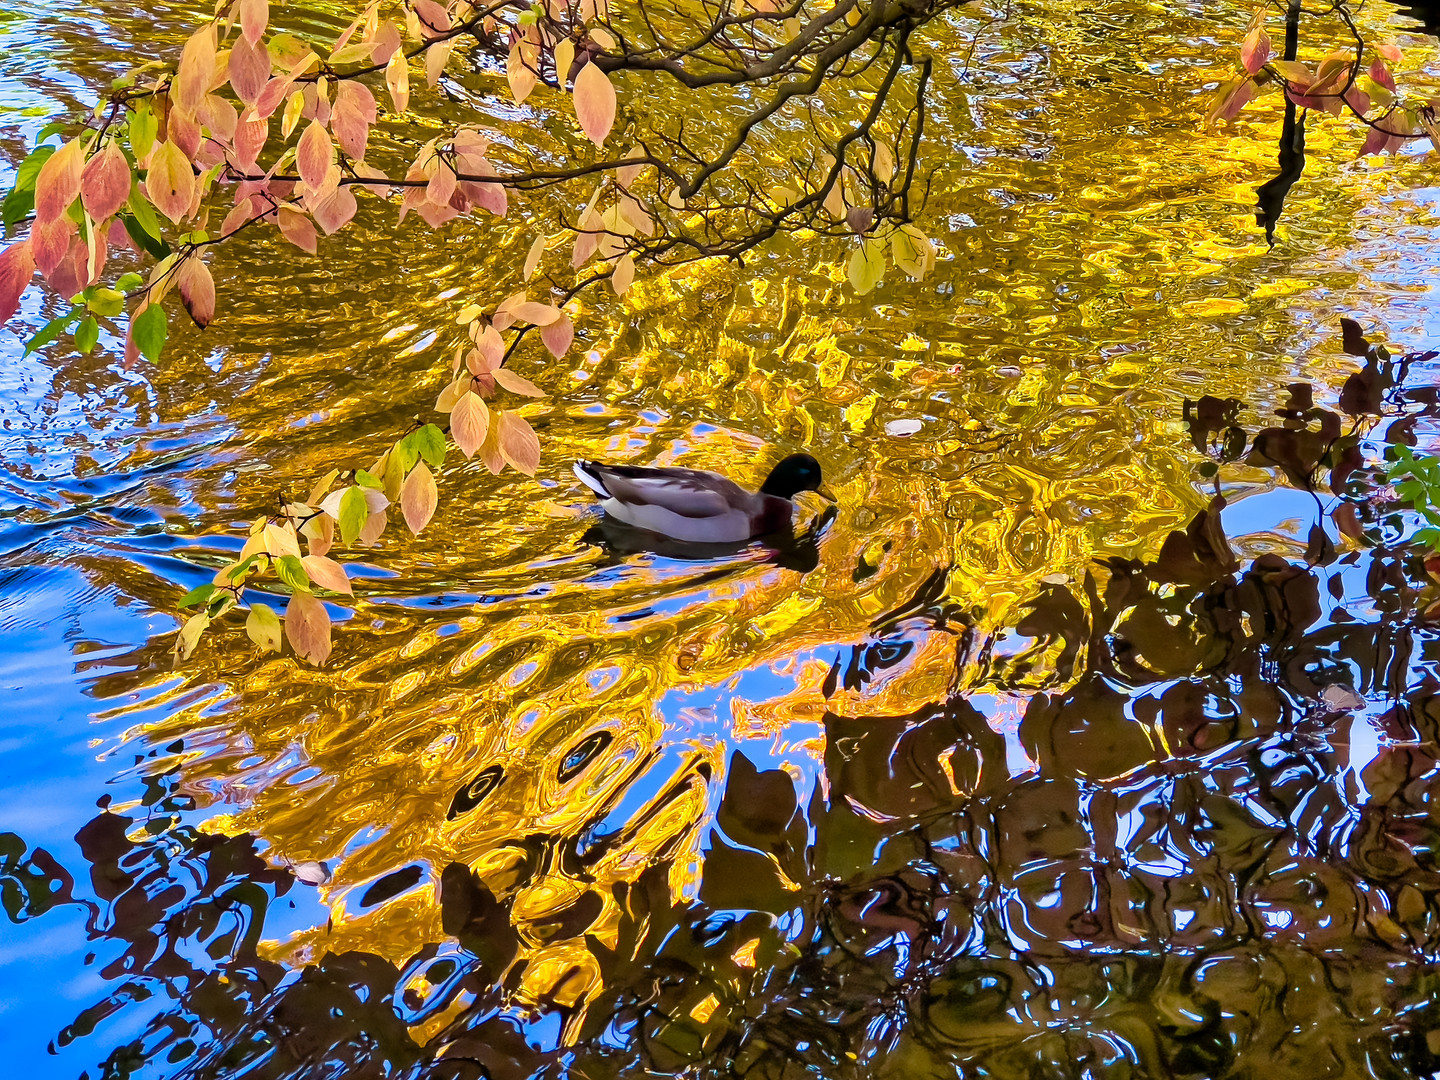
<point>786,548</point>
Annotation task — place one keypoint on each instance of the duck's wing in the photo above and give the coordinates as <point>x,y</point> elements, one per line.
<point>691,493</point>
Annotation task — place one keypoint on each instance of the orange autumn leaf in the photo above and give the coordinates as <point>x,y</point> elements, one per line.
<point>249,70</point>
<point>469,423</point>
<point>298,229</point>
<point>558,336</point>
<point>519,444</point>
<point>197,69</point>
<point>418,497</point>
<point>170,183</point>
<point>58,183</point>
<point>327,573</point>
<point>594,103</point>
<point>105,183</point>
<point>17,267</point>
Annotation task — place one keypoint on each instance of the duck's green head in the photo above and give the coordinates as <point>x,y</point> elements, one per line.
<point>797,473</point>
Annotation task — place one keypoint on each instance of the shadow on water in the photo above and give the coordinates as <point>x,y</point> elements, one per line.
<point>1178,820</point>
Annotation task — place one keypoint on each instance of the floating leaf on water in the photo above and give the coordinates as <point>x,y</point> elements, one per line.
<point>311,873</point>
<point>902,428</point>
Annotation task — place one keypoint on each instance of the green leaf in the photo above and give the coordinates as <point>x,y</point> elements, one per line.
<point>429,441</point>
<point>143,129</point>
<point>353,512</point>
<point>18,205</point>
<point>129,281</point>
<point>105,302</point>
<point>86,335</point>
<point>404,455</point>
<point>50,130</point>
<point>197,595</point>
<point>292,572</point>
<point>143,210</point>
<point>149,331</point>
<point>365,479</point>
<point>157,249</point>
<point>52,330</point>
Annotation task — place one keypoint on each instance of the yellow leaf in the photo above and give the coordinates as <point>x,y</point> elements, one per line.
<point>262,626</point>
<point>532,260</point>
<point>189,636</point>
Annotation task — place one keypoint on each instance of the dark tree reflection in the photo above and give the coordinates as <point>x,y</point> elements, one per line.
<point>1201,875</point>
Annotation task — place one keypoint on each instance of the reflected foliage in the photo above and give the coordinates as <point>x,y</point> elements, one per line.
<point>1206,849</point>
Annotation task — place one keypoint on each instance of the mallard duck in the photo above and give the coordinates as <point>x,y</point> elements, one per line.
<point>702,507</point>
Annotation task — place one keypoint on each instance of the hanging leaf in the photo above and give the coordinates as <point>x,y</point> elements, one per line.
<point>429,443</point>
<point>867,266</point>
<point>352,116</point>
<point>58,182</point>
<point>558,336</point>
<point>434,20</point>
<point>87,335</point>
<point>519,444</point>
<point>17,268</point>
<point>397,80</point>
<point>262,626</point>
<point>197,290</point>
<point>564,60</point>
<point>189,636</point>
<point>594,103</point>
<point>254,18</point>
<point>170,183</point>
<point>249,69</point>
<point>518,73</point>
<point>623,275</point>
<point>350,512</point>
<point>327,573</point>
<point>516,384</point>
<point>298,229</point>
<point>314,155</point>
<point>469,421</point>
<point>281,540</point>
<point>307,628</point>
<point>335,210</point>
<point>148,329</point>
<point>532,259</point>
<point>535,313</point>
<point>105,183</point>
<point>196,71</point>
<point>418,498</point>
<point>1255,50</point>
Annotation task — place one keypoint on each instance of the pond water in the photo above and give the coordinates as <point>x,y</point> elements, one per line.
<point>1049,766</point>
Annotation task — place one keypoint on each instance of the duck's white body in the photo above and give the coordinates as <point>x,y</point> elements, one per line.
<point>692,505</point>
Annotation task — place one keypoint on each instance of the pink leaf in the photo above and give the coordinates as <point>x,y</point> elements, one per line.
<point>469,423</point>
<point>441,186</point>
<point>105,183</point>
<point>335,210</point>
<point>516,384</point>
<point>315,155</point>
<point>237,217</point>
<point>436,216</point>
<point>418,496</point>
<point>298,229</point>
<point>532,311</point>
<point>183,129</point>
<point>1255,51</point>
<point>197,290</point>
<point>352,116</point>
<point>220,117</point>
<point>119,238</point>
<point>17,267</point>
<point>271,97</point>
<point>519,445</point>
<point>170,183</point>
<point>327,573</point>
<point>1381,74</point>
<point>1389,52</point>
<point>433,19</point>
<point>387,42</point>
<point>197,69</point>
<point>587,239</point>
<point>558,336</point>
<point>254,17</point>
<point>49,243</point>
<point>249,70</point>
<point>250,135</point>
<point>594,103</point>
<point>58,183</point>
<point>307,628</point>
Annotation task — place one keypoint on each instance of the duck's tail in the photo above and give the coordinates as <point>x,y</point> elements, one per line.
<point>589,475</point>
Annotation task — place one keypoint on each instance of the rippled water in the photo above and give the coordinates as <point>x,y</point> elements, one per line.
<point>1006,784</point>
